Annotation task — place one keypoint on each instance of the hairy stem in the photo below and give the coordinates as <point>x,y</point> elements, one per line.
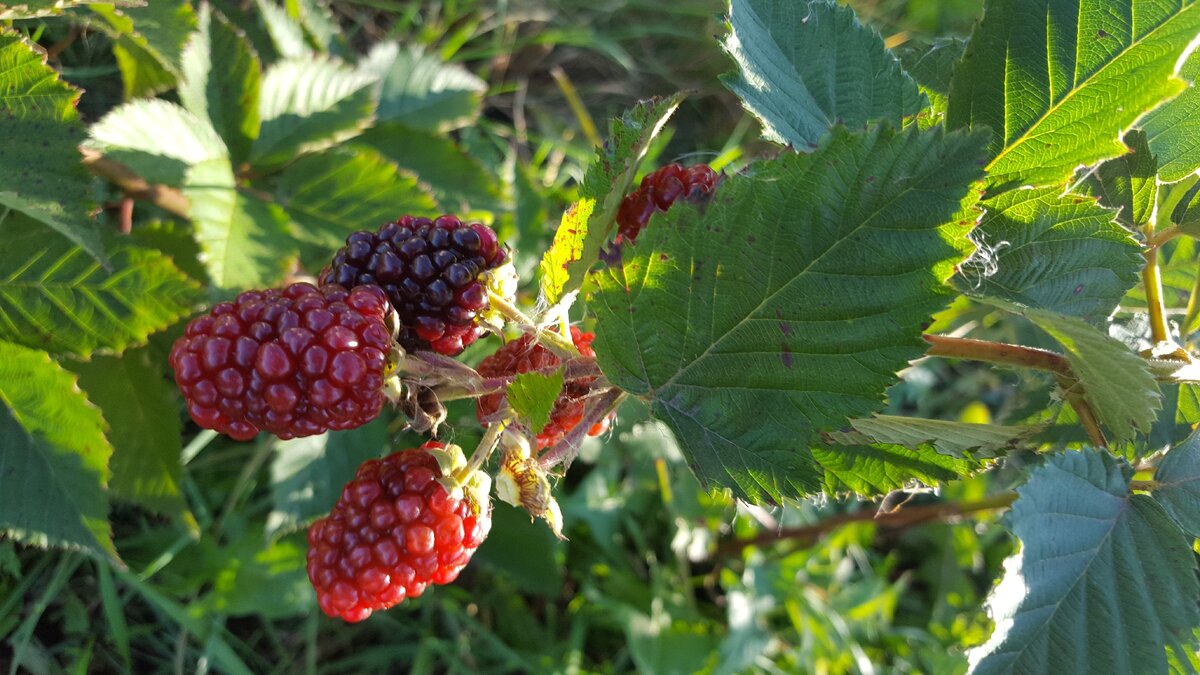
<point>1152,280</point>
<point>1026,357</point>
<point>899,518</point>
<point>565,450</point>
<point>549,338</point>
<point>1193,307</point>
<point>484,450</point>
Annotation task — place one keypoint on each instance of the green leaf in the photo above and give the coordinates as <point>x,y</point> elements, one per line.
<point>422,92</point>
<point>1047,76</point>
<point>804,66</point>
<point>148,42</point>
<point>245,240</point>
<point>949,438</point>
<point>252,578</point>
<point>1173,129</point>
<point>459,182</point>
<point>54,297</point>
<point>1178,478</point>
<point>1116,382</point>
<point>142,411</point>
<point>586,225</point>
<point>40,170</point>
<point>133,134</point>
<point>308,105</point>
<point>931,65</point>
<point>879,469</point>
<point>53,456</point>
<point>308,474</point>
<point>1102,582</point>
<point>334,193</point>
<point>1186,213</point>
<point>1128,183</point>
<point>32,9</point>
<point>532,397</point>
<point>788,304</point>
<point>286,33</point>
<point>1045,249</point>
<point>221,80</point>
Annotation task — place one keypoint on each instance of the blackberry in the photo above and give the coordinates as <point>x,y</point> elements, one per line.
<point>294,362</point>
<point>404,522</point>
<point>435,273</point>
<point>524,355</point>
<point>658,191</point>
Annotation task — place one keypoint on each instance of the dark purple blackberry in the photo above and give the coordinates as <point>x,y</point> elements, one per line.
<point>433,273</point>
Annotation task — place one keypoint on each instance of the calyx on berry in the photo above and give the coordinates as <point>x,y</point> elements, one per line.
<point>404,522</point>
<point>294,362</point>
<point>436,273</point>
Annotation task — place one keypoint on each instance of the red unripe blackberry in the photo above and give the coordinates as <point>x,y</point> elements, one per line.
<point>658,191</point>
<point>433,272</point>
<point>294,362</point>
<point>404,522</point>
<point>525,355</point>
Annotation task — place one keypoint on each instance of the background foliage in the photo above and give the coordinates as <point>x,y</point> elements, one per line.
<point>234,143</point>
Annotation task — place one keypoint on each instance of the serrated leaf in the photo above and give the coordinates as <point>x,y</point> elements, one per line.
<point>133,134</point>
<point>1178,479</point>
<point>459,182</point>
<point>145,429</point>
<point>1128,183</point>
<point>1173,129</point>
<point>40,170</point>
<point>148,41</point>
<point>1102,582</point>
<point>1116,382</point>
<point>586,225</point>
<point>253,578</point>
<point>334,193</point>
<point>308,474</point>
<point>804,66</point>
<point>931,66</point>
<point>421,91</point>
<point>55,297</point>
<point>881,468</point>
<point>949,438</point>
<point>221,81</point>
<point>1186,214</point>
<point>787,305</point>
<point>308,105</point>
<point>287,35</point>
<point>53,456</point>
<point>32,9</point>
<point>532,397</point>
<point>1060,252</point>
<point>244,240</point>
<point>1045,75</point>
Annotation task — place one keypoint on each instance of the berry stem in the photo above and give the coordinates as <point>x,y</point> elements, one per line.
<point>484,450</point>
<point>565,450</point>
<point>550,339</point>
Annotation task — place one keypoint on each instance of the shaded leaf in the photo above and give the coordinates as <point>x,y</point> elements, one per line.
<point>145,429</point>
<point>148,41</point>
<point>40,170</point>
<point>1178,479</point>
<point>1102,582</point>
<point>1043,75</point>
<point>787,305</point>
<point>54,297</point>
<point>1116,382</point>
<point>133,134</point>
<point>931,65</point>
<point>804,66</point>
<point>32,9</point>
<point>458,180</point>
<point>53,456</point>
<point>1043,249</point>
<point>1173,129</point>
<point>949,438</point>
<point>881,468</point>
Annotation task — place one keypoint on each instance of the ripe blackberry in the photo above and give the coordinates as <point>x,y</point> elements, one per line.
<point>294,362</point>
<point>403,522</point>
<point>434,273</point>
<point>524,355</point>
<point>658,191</point>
